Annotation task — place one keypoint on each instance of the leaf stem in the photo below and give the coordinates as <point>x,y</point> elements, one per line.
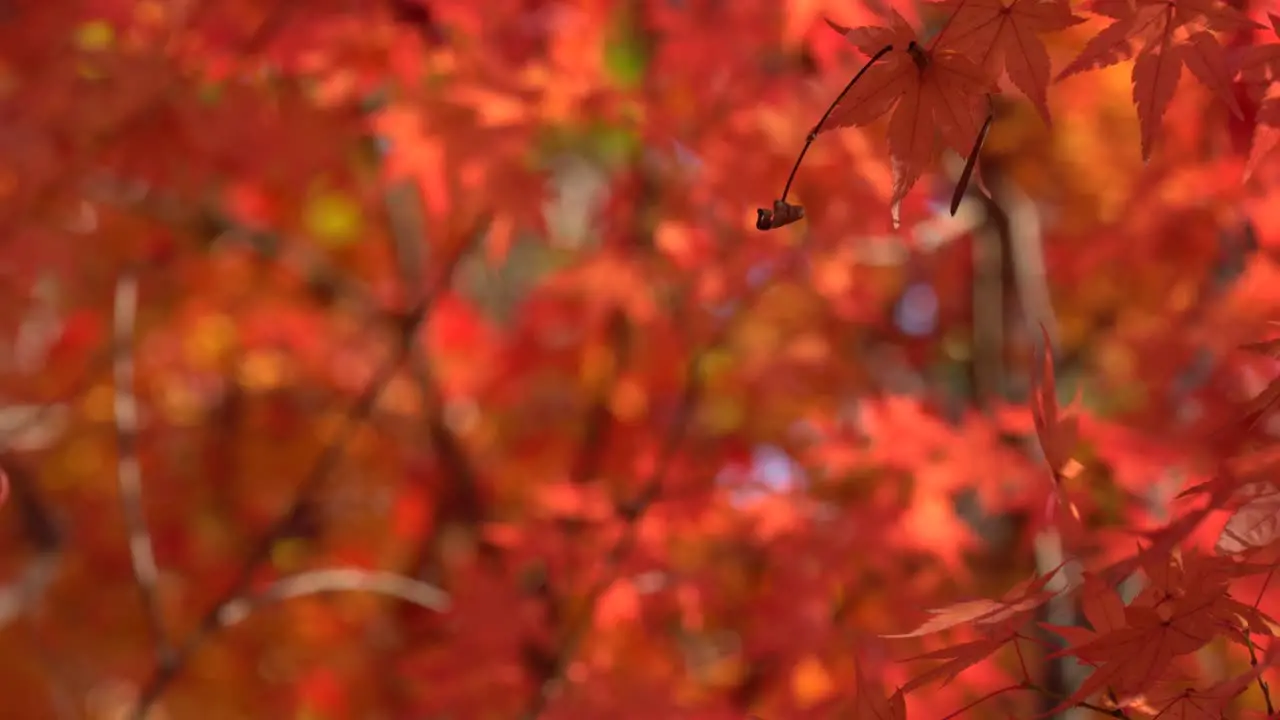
<point>1262,684</point>
<point>1109,712</point>
<point>963,184</point>
<point>984,698</point>
<point>813,134</point>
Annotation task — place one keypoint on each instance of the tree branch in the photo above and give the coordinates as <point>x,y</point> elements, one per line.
<point>407,236</point>
<point>1263,686</point>
<point>39,529</point>
<point>129,471</point>
<point>321,469</point>
<point>316,582</point>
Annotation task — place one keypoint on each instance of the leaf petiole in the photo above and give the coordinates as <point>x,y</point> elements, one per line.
<point>970,163</point>
<point>784,213</point>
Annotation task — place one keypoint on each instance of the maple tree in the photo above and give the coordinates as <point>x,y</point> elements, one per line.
<point>420,358</point>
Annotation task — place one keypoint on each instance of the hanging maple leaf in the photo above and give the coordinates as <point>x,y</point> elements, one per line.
<point>1006,39</point>
<point>1259,67</point>
<point>930,91</point>
<point>1172,34</point>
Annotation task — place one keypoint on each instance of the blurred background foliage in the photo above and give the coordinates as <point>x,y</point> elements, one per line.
<point>661,464</point>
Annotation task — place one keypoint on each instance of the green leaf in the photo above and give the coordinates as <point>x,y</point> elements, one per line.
<point>625,56</point>
<point>615,145</point>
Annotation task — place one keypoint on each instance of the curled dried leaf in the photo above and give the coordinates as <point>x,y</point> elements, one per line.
<point>783,213</point>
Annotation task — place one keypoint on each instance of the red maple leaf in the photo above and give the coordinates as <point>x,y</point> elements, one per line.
<point>930,91</point>
<point>1058,435</point>
<point>1140,654</point>
<point>1006,38</point>
<point>1172,34</point>
<point>1184,604</point>
<point>997,620</point>
<point>871,704</point>
<point>1177,701</point>
<point>1101,606</point>
<point>1259,67</point>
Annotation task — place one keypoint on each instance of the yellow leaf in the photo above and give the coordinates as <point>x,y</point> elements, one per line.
<point>810,682</point>
<point>333,218</point>
<point>288,554</point>
<point>95,36</point>
<point>714,365</point>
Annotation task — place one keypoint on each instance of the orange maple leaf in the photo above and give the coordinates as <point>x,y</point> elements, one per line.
<point>930,91</point>
<point>1006,38</point>
<point>1173,34</point>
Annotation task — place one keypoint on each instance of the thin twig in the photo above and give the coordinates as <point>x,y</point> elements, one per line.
<point>784,213</point>
<point>1109,712</point>
<point>813,134</point>
<point>23,592</point>
<point>38,527</point>
<point>984,698</point>
<point>129,470</point>
<point>317,582</point>
<point>462,502</point>
<point>1262,684</point>
<point>597,424</point>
